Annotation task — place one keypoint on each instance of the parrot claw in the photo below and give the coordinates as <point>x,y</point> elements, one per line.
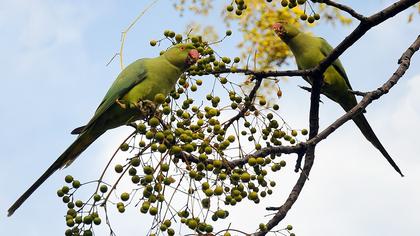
<point>122,105</point>
<point>146,107</point>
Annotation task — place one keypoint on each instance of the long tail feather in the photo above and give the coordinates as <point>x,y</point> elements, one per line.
<point>71,153</point>
<point>369,134</point>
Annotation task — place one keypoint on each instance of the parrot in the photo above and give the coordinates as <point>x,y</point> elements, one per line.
<point>309,51</point>
<point>141,80</point>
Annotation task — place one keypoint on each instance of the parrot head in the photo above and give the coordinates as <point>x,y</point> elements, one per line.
<point>285,31</point>
<point>182,55</point>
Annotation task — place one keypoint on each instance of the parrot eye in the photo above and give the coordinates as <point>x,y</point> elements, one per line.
<point>182,48</point>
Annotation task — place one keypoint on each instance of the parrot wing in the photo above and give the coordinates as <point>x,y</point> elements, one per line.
<point>133,75</point>
<point>326,50</point>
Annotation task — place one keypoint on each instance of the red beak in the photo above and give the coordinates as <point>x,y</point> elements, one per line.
<point>194,55</point>
<point>277,27</point>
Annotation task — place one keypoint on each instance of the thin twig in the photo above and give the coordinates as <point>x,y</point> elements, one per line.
<point>124,33</point>
<point>345,8</point>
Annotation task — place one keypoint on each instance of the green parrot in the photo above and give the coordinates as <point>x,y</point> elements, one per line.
<point>309,51</point>
<point>141,80</point>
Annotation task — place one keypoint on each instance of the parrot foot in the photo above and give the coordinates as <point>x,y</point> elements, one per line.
<point>146,107</point>
<point>122,105</point>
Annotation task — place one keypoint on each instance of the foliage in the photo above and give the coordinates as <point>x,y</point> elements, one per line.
<point>259,43</point>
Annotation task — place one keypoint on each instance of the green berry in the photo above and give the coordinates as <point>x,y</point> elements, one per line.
<point>282,163</point>
<point>159,98</point>
<point>118,168</point>
<point>192,224</point>
<point>178,38</point>
<point>66,199</point>
<point>125,196</point>
<point>154,122</point>
<point>153,43</point>
<point>60,193</point>
<point>135,179</point>
<point>153,211</point>
<point>68,178</point>
<point>96,197</point>
<point>103,188</point>
<point>135,161</point>
<point>65,189</point>
<point>87,233</point>
<point>121,208</point>
<point>124,147</point>
<point>263,227</point>
<point>87,220</point>
<point>70,223</point>
<point>252,161</point>
<point>79,203</point>
<point>97,221</point>
<point>311,19</point>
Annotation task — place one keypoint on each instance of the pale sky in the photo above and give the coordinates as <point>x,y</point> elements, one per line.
<point>54,75</point>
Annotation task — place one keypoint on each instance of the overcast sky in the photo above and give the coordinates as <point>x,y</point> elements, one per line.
<point>53,76</point>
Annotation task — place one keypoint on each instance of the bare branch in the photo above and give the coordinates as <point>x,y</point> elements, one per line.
<point>264,74</point>
<point>345,8</point>
<point>358,93</point>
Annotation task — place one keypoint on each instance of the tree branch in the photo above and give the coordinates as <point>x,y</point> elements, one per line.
<point>363,27</point>
<point>247,106</point>
<point>264,74</point>
<point>345,8</point>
